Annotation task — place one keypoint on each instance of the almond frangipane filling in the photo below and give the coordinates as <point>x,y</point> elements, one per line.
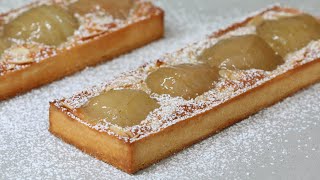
<point>56,26</point>
<point>232,82</point>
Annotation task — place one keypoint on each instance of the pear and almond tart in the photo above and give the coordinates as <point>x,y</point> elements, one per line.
<point>148,114</point>
<point>45,41</point>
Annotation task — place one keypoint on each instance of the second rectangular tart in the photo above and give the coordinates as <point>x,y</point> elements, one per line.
<point>26,64</point>
<point>180,121</point>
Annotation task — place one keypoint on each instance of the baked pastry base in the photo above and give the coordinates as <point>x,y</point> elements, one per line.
<point>131,157</point>
<point>69,61</point>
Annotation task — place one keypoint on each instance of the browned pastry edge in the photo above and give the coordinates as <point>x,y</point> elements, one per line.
<point>128,162</point>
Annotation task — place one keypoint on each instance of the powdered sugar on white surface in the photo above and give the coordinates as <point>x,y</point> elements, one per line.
<point>280,141</point>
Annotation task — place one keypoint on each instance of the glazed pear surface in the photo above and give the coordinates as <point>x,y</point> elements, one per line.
<point>185,80</point>
<point>122,107</point>
<point>242,53</point>
<point>47,24</point>
<point>289,34</point>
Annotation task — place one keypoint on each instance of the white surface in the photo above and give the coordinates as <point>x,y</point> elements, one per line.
<point>280,142</point>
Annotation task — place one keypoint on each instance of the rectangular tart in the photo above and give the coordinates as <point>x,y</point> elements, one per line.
<point>179,123</point>
<point>99,37</point>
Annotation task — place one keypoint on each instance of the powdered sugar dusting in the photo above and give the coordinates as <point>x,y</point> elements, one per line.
<point>173,110</point>
<point>92,25</point>
<point>280,142</point>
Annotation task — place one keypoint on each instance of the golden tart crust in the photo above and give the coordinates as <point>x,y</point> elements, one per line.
<point>178,122</point>
<point>38,64</point>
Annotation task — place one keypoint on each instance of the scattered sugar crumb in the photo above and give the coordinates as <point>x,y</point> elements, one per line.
<point>29,151</point>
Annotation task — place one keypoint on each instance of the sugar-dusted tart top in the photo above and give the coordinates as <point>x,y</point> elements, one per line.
<point>197,78</point>
<point>46,28</point>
